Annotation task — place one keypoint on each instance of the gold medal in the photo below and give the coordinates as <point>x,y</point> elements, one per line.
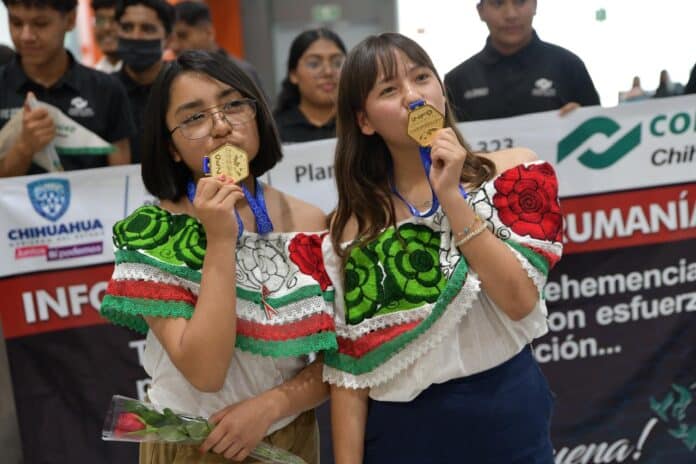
<point>423,122</point>
<point>228,160</point>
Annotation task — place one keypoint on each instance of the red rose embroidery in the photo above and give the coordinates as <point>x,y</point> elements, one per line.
<point>305,251</point>
<point>527,201</point>
<point>128,422</point>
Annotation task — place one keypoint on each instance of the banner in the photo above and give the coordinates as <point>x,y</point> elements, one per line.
<point>620,355</point>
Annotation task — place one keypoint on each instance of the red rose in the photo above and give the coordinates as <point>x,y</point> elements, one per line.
<point>527,201</point>
<point>305,251</point>
<point>128,422</point>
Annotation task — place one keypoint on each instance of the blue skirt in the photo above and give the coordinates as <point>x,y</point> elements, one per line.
<point>499,416</point>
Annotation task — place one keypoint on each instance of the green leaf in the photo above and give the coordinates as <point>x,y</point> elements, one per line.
<point>197,430</point>
<point>172,433</point>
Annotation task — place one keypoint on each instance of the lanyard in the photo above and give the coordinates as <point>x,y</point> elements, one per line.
<point>257,203</point>
<point>427,163</point>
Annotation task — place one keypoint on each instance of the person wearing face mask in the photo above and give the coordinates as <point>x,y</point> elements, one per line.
<point>144,30</point>
<point>306,108</point>
<point>106,35</point>
<point>42,67</point>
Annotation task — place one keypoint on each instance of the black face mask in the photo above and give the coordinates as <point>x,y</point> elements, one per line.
<point>139,54</point>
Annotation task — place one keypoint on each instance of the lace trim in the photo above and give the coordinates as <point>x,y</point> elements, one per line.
<point>299,310</point>
<point>182,271</point>
<point>288,348</point>
<point>138,271</point>
<point>425,342</point>
<point>314,324</point>
<point>537,276</point>
<point>129,312</point>
<point>354,332</point>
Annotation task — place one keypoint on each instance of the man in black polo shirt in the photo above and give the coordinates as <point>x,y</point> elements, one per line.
<point>144,30</point>
<point>516,73</point>
<point>43,67</point>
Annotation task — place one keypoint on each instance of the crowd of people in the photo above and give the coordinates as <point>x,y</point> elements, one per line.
<point>412,306</point>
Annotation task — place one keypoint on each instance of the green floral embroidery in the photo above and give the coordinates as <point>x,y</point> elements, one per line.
<point>412,266</point>
<point>363,284</point>
<point>393,273</point>
<point>190,243</point>
<point>145,229</point>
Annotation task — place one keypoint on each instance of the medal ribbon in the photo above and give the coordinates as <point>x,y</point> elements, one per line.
<point>427,163</point>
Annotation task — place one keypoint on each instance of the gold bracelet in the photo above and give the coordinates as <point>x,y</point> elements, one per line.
<point>470,232</point>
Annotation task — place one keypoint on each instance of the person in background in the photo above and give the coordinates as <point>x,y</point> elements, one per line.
<point>194,30</point>
<point>438,271</point>
<point>106,35</point>
<point>44,68</point>
<point>226,277</point>
<point>635,93</point>
<point>666,87</point>
<point>516,73</point>
<point>306,107</point>
<point>144,29</point>
<point>6,54</point>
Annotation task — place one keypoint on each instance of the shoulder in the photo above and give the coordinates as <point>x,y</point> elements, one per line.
<point>461,70</point>
<point>558,53</point>
<point>297,215</point>
<point>508,159</point>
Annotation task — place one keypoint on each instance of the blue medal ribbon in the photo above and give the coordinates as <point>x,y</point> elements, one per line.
<point>257,203</point>
<point>427,163</point>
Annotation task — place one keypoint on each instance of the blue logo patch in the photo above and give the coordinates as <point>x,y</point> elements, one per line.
<point>50,197</point>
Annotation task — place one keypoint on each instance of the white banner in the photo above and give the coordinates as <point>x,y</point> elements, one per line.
<point>642,144</point>
<point>64,220</point>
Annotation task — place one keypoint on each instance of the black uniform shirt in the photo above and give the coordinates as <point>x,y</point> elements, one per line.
<point>293,126</point>
<point>539,77</point>
<point>91,98</point>
<point>137,97</point>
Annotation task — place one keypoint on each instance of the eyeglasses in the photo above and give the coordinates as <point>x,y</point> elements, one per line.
<point>234,112</point>
<point>315,65</point>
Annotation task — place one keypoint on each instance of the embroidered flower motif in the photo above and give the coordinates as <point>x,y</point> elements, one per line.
<point>190,241</point>
<point>412,266</point>
<point>305,251</point>
<point>262,262</point>
<point>145,229</point>
<point>363,285</point>
<point>526,200</point>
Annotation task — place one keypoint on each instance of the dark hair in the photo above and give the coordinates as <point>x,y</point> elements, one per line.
<point>289,93</point>
<point>192,13</point>
<point>162,176</point>
<point>361,164</point>
<point>64,6</point>
<point>97,4</point>
<point>165,12</point>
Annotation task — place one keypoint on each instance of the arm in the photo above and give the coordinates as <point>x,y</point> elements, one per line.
<point>240,427</point>
<point>348,419</point>
<point>202,347</point>
<point>121,154</point>
<point>502,277</point>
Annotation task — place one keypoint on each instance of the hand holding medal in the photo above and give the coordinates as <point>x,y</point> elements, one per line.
<point>233,163</point>
<point>424,121</point>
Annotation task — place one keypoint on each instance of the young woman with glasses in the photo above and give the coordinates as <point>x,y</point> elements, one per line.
<point>306,107</point>
<point>224,278</point>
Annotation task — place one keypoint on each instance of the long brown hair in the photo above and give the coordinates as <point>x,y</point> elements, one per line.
<point>362,162</point>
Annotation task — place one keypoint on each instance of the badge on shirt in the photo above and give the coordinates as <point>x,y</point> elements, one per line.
<point>228,160</point>
<point>423,122</point>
